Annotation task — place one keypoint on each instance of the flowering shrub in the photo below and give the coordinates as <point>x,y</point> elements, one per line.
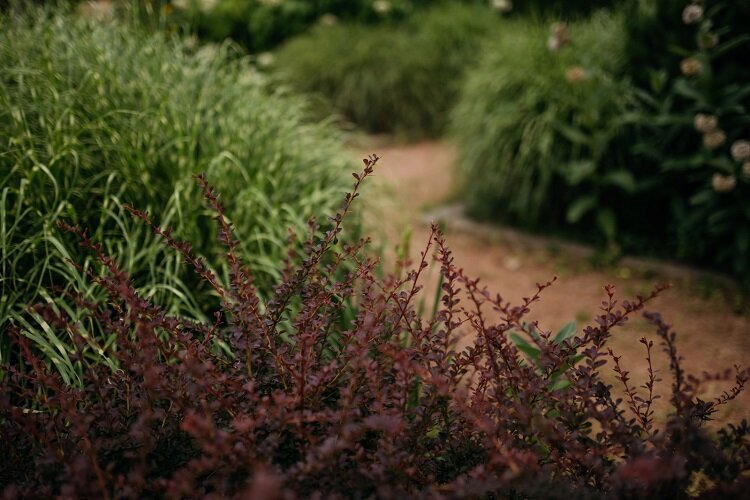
<point>696,128</point>
<point>594,135</point>
<point>389,405</point>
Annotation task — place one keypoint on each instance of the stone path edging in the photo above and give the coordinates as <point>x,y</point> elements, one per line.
<point>454,217</point>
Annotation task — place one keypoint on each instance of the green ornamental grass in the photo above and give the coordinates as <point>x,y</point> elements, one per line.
<point>94,116</point>
<point>538,123</point>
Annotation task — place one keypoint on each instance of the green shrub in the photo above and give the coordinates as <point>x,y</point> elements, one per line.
<point>539,129</point>
<point>392,78</point>
<point>94,116</point>
<point>260,25</point>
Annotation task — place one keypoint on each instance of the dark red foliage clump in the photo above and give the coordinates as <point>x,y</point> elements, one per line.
<point>301,403</point>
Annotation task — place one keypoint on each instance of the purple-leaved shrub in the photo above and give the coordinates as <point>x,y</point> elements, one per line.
<point>390,405</point>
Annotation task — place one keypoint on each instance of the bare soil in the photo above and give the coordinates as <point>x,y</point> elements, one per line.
<point>412,180</point>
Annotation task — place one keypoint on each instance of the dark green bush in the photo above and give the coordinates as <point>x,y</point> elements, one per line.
<point>401,78</point>
<point>706,179</point>
<point>94,116</point>
<point>657,39</point>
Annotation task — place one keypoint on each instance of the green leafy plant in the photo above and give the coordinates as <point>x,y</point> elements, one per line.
<point>629,133</point>
<point>531,343</point>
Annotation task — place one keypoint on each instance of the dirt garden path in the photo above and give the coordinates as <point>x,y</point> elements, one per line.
<point>412,181</point>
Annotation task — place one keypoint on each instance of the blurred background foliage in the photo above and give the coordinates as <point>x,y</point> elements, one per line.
<point>260,25</point>
<point>572,116</point>
<point>400,79</point>
<point>540,129</point>
<point>619,123</point>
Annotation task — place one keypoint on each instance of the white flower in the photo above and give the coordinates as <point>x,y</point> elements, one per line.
<point>714,139</point>
<point>265,59</point>
<point>693,14</point>
<point>690,66</point>
<point>502,6</point>
<point>328,19</point>
<point>705,123</point>
<point>575,74</point>
<point>741,150</point>
<point>723,183</point>
<point>381,6</point>
<point>559,37</point>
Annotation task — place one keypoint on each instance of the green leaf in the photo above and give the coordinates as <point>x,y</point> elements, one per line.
<point>702,197</point>
<point>607,222</point>
<point>683,88</point>
<point>577,171</point>
<point>572,134</point>
<point>670,119</point>
<point>434,432</point>
<point>742,239</point>
<point>730,44</point>
<point>623,179</point>
<point>723,163</point>
<point>658,80</point>
<point>565,332</point>
<point>580,207</point>
<point>523,345</point>
<point>559,385</point>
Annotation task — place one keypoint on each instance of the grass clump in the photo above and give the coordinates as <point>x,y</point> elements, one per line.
<point>539,125</point>
<point>93,116</point>
<point>530,115</point>
<point>401,78</point>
